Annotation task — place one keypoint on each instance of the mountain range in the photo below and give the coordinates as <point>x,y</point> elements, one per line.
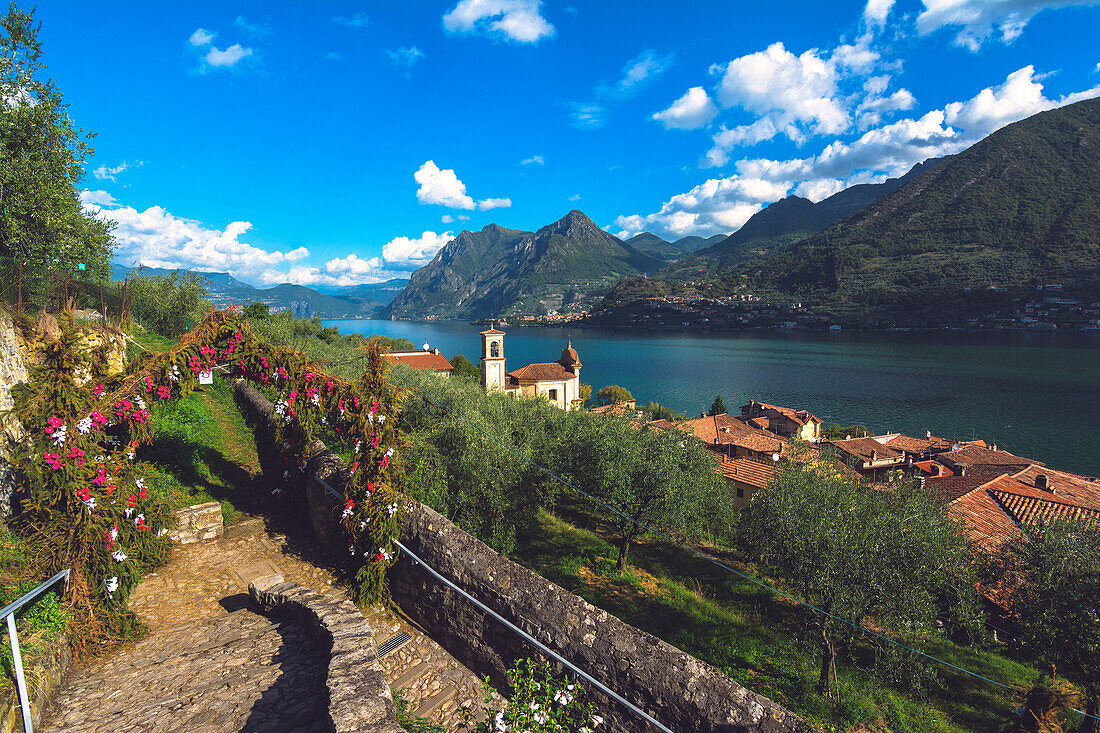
<point>359,301</point>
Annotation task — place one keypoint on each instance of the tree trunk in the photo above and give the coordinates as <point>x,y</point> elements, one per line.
<point>1092,707</point>
<point>828,662</point>
<point>624,548</point>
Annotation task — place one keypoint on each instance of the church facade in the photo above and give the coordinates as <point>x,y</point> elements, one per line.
<point>557,381</point>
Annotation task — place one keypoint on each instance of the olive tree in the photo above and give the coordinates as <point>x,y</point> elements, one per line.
<point>858,553</point>
<point>665,479</point>
<point>1054,577</point>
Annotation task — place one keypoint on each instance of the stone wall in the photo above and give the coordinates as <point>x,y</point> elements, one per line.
<point>13,370</point>
<point>359,698</point>
<point>198,522</point>
<point>677,689</point>
<point>44,676</point>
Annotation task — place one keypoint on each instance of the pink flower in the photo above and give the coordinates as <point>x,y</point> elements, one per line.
<point>101,477</point>
<point>52,424</point>
<point>52,460</point>
<point>99,391</point>
<point>163,392</point>
<point>78,455</point>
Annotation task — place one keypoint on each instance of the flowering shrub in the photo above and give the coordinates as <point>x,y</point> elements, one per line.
<point>84,493</point>
<point>540,703</point>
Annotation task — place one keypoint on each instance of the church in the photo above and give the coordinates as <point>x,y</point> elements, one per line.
<point>558,381</point>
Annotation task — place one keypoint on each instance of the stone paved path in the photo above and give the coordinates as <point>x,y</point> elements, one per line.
<point>212,665</point>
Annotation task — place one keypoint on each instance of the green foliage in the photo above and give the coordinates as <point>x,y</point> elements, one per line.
<point>839,432</point>
<point>657,411</point>
<point>256,311</point>
<point>717,407</point>
<point>464,370</point>
<point>660,478</point>
<point>1054,575</point>
<point>857,553</point>
<point>42,157</point>
<point>613,394</point>
<point>169,304</point>
<point>539,702</point>
<point>585,396</point>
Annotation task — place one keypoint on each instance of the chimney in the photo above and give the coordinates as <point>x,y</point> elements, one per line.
<point>874,456</point>
<point>1042,482</point>
<point>962,471</point>
<point>994,446</point>
<point>702,414</point>
<point>928,434</point>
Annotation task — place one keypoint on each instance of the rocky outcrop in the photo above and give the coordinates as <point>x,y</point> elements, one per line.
<point>13,371</point>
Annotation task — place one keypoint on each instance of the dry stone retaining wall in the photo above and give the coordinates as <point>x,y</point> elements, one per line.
<point>198,522</point>
<point>359,698</point>
<point>677,689</point>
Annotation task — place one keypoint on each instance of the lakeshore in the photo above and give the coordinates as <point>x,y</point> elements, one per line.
<point>1036,394</point>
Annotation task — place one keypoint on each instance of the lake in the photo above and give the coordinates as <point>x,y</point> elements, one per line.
<point>1035,394</point>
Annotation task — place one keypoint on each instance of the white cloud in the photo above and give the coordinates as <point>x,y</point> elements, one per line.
<point>637,74</point>
<point>359,20</point>
<point>201,37</point>
<point>875,12</point>
<point>463,217</point>
<point>515,20</point>
<point>412,253</point>
<point>721,205</point>
<point>405,56</point>
<point>982,19</point>
<point>111,173</point>
<point>533,160</point>
<point>587,115</point>
<point>96,198</point>
<point>690,112</point>
<point>575,197</point>
<point>487,204</point>
<point>258,28</point>
<point>446,218</point>
<point>441,187</point>
<point>218,58</point>
<point>157,238</point>
<point>799,89</point>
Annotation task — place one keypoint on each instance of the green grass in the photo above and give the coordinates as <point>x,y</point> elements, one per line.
<point>202,449</point>
<point>750,633</point>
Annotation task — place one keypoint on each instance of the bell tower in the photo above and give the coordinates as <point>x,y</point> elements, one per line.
<point>492,359</point>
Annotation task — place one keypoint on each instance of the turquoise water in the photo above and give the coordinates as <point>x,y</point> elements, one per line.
<point>1037,395</point>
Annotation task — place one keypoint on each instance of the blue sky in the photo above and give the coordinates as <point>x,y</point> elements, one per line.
<point>333,143</point>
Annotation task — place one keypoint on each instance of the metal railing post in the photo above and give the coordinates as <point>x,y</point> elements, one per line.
<point>20,680</point>
<point>8,614</point>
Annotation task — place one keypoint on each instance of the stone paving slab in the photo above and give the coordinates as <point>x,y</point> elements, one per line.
<point>211,664</point>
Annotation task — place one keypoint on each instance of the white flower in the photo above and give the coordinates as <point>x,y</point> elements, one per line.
<point>392,509</point>
<point>59,435</point>
<point>541,718</point>
<point>498,723</point>
<point>162,532</point>
<point>357,444</point>
<point>131,454</point>
<point>370,418</point>
<point>139,482</point>
<point>597,721</point>
<point>112,585</point>
<point>381,418</point>
<point>385,555</point>
<point>174,374</point>
<point>140,402</point>
<point>351,549</point>
<point>389,453</point>
<point>129,511</point>
<point>119,555</point>
<point>324,420</point>
<point>84,426</point>
<point>315,399</point>
<point>535,705</point>
<point>562,697</point>
<point>139,519</point>
<point>89,503</point>
<point>362,525</point>
<point>113,533</point>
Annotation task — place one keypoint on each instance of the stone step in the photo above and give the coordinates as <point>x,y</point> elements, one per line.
<point>415,673</point>
<point>434,702</point>
<point>250,527</point>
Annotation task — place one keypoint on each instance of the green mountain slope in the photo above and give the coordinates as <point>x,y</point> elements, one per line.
<point>653,245</point>
<point>501,271</point>
<point>1019,208</point>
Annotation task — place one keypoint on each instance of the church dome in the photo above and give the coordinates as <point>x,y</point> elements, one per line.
<point>569,357</point>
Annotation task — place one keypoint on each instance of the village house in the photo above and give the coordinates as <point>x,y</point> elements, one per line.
<point>782,421</point>
<point>557,381</point>
<point>426,358</point>
<point>869,456</point>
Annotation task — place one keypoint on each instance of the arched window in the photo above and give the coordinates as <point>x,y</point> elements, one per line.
<point>494,349</point>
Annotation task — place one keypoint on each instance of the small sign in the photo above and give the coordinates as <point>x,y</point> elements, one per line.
<point>206,377</point>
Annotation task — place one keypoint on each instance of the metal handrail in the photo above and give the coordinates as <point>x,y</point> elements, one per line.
<point>542,647</point>
<point>8,613</point>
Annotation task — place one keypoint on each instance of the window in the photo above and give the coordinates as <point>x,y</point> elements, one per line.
<point>740,493</point>
<point>494,349</point>
<point>553,395</point>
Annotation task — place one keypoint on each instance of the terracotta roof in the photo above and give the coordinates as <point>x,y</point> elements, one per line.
<point>749,471</point>
<point>438,362</point>
<point>978,459</point>
<point>932,468</point>
<point>1068,487</point>
<point>799,416</point>
<point>1030,510</point>
<point>950,488</point>
<point>569,356</point>
<point>619,409</point>
<point>862,448</point>
<point>910,444</point>
<point>661,424</point>
<point>984,520</point>
<point>725,429</point>
<point>491,332</point>
<point>551,372</point>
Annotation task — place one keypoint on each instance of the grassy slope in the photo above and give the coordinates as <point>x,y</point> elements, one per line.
<point>748,632</point>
